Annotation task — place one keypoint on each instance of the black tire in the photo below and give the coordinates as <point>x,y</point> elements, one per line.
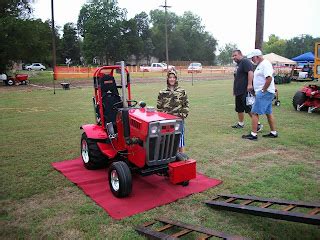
<point>277,103</point>
<point>120,179</point>
<point>10,82</point>
<point>298,99</point>
<point>185,183</point>
<point>181,156</point>
<point>91,155</point>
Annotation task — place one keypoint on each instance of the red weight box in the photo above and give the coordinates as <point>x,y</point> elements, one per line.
<point>182,171</point>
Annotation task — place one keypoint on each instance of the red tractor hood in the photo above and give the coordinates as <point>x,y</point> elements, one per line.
<point>150,115</point>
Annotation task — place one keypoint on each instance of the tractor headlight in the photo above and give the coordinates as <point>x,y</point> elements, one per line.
<point>154,129</point>
<point>177,126</point>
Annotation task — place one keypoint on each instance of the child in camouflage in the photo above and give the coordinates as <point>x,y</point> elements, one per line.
<point>174,100</point>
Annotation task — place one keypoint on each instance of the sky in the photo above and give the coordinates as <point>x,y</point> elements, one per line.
<point>229,21</point>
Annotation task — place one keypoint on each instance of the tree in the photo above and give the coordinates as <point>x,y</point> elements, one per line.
<point>15,8</point>
<point>9,13</point>
<point>299,45</point>
<point>143,29</point>
<point>224,57</point>
<point>290,48</point>
<point>158,32</point>
<point>129,43</point>
<point>275,45</point>
<point>101,25</point>
<point>187,38</point>
<point>70,46</point>
<point>22,39</point>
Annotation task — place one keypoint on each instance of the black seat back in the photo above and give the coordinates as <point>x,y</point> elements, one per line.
<point>110,96</point>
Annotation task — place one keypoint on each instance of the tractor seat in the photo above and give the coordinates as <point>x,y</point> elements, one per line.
<point>110,96</point>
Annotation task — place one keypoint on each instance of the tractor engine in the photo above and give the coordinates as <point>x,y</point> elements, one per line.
<point>163,141</point>
<point>152,138</point>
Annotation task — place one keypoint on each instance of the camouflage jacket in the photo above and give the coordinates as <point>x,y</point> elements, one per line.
<point>174,102</point>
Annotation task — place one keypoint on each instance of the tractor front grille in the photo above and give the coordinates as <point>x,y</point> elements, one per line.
<point>162,147</point>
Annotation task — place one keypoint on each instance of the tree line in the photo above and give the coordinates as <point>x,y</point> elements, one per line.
<point>103,33</point>
<point>286,48</point>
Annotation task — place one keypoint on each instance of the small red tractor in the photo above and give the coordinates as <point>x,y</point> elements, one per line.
<point>131,139</point>
<point>307,99</point>
<point>21,79</point>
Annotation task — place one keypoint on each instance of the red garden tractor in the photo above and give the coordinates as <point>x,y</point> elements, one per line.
<point>20,79</point>
<point>307,99</point>
<point>131,139</point>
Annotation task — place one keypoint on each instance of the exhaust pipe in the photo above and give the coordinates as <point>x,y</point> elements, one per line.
<point>123,84</point>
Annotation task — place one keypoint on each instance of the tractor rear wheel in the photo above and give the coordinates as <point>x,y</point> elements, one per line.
<point>298,99</point>
<point>181,156</point>
<point>120,179</point>
<point>91,155</point>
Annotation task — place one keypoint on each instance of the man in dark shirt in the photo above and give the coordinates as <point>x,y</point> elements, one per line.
<point>243,78</point>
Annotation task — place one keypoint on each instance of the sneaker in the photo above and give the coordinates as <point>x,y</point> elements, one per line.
<point>250,137</point>
<point>270,135</point>
<point>237,126</point>
<point>260,127</point>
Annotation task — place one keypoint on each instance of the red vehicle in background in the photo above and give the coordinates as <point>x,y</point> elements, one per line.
<point>307,99</point>
<point>17,79</point>
<point>131,138</point>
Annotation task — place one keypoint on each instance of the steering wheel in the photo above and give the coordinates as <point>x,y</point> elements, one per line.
<point>115,106</point>
<point>132,101</point>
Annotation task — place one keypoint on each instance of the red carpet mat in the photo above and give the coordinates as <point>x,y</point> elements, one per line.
<point>147,192</point>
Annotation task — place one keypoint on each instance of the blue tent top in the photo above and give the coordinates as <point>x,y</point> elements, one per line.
<point>306,57</point>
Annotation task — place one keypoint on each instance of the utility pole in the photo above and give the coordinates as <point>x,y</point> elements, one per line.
<point>165,6</point>
<point>53,47</point>
<point>259,24</point>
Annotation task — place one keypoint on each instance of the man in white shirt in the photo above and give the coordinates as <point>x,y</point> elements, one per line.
<point>264,87</point>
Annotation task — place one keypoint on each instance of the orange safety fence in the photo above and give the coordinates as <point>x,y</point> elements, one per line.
<point>65,72</point>
<point>77,72</point>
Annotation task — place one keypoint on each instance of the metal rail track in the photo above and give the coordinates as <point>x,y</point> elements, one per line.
<point>265,207</point>
<point>162,228</point>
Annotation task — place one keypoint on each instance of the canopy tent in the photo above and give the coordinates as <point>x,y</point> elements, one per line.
<point>306,57</point>
<point>278,60</point>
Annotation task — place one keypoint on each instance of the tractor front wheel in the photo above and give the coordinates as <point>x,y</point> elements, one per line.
<point>91,155</point>
<point>120,179</point>
<point>298,99</point>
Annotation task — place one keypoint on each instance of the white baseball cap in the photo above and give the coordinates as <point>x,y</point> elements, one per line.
<point>255,53</point>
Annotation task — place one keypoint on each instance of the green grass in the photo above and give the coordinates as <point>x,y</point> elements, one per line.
<point>39,127</point>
